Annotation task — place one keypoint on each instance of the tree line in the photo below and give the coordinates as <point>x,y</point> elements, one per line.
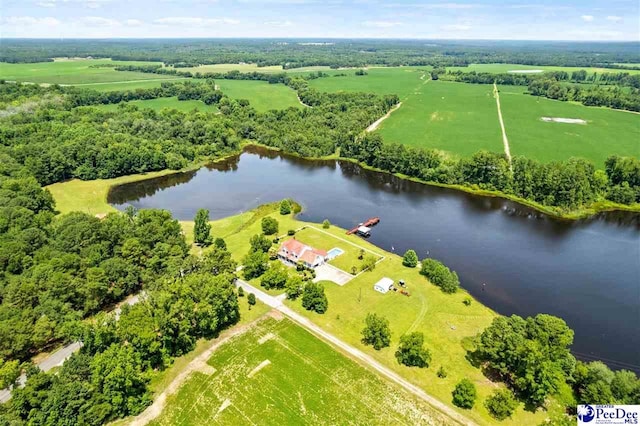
<point>567,185</point>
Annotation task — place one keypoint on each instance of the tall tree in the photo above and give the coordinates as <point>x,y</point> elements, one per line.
<point>202,228</point>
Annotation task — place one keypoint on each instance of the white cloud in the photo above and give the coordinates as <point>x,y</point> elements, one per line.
<point>587,18</point>
<point>133,22</point>
<point>91,4</point>
<point>98,21</point>
<point>47,4</point>
<point>381,24</point>
<point>614,18</point>
<point>280,24</point>
<point>30,20</point>
<point>456,27</point>
<point>450,6</point>
<point>199,22</point>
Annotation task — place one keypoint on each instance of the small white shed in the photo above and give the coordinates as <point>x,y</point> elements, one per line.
<point>384,285</point>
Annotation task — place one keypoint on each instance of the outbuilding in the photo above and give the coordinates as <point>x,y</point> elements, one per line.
<point>364,231</point>
<point>384,285</point>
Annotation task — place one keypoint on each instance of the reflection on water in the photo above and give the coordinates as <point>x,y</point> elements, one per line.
<point>587,272</point>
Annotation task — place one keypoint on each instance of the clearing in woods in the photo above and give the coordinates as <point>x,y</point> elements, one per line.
<point>77,71</point>
<point>291,378</point>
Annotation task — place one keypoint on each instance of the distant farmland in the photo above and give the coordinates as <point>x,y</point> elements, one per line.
<point>502,68</point>
<point>76,71</point>
<point>161,103</point>
<point>261,95</point>
<point>279,374</point>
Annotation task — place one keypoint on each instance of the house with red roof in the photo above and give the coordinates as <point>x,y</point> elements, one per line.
<point>293,251</point>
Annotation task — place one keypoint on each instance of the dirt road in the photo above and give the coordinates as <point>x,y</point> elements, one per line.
<point>379,121</point>
<point>505,141</point>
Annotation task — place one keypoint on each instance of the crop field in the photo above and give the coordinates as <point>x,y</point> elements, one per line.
<point>261,95</point>
<point>457,117</point>
<point>161,103</point>
<point>385,81</point>
<point>503,68</point>
<point>278,373</point>
<point>73,72</point>
<point>251,68</point>
<point>605,133</point>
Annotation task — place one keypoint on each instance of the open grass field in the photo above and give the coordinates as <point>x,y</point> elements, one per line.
<point>78,71</point>
<point>400,81</point>
<point>129,85</point>
<point>503,68</point>
<point>161,103</point>
<point>457,117</point>
<point>251,68</point>
<point>261,95</point>
<point>277,374</point>
<point>605,133</point>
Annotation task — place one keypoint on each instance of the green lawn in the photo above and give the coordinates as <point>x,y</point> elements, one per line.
<point>503,68</point>
<point>607,132</point>
<point>278,374</point>
<point>324,240</point>
<point>261,95</point>
<point>161,103</point>
<point>78,71</point>
<point>456,117</point>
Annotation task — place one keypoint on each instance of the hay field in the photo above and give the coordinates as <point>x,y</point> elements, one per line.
<point>503,68</point>
<point>161,103</point>
<point>278,373</point>
<point>76,71</point>
<point>261,95</point>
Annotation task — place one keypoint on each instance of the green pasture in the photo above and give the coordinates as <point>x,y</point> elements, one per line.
<point>277,374</point>
<point>161,103</point>
<point>456,117</point>
<point>606,132</point>
<point>129,85</point>
<point>401,81</point>
<point>504,68</point>
<point>78,71</point>
<point>261,95</point>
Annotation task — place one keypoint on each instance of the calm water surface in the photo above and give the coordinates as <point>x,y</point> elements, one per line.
<point>586,272</point>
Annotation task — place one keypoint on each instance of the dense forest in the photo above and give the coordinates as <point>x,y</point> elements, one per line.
<point>291,53</point>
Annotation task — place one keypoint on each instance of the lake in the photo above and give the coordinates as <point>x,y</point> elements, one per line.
<point>511,258</point>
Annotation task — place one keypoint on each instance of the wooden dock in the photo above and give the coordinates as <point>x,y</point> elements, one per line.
<point>373,221</point>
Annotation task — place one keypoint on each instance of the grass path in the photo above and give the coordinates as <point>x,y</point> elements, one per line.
<point>505,141</point>
<point>126,81</point>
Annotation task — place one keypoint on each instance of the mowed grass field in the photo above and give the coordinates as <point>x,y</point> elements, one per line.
<point>261,95</point>
<point>457,117</point>
<point>78,71</point>
<point>161,103</point>
<point>279,374</point>
<point>401,81</point>
<point>607,132</point>
<point>503,68</point>
<point>129,85</point>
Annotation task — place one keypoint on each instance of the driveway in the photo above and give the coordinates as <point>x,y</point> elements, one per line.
<point>328,272</point>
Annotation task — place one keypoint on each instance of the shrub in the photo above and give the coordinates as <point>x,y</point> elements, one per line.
<point>240,292</point>
<point>501,404</point>
<point>326,224</point>
<point>411,351</point>
<point>467,301</point>
<point>410,259</point>
<point>269,225</point>
<point>369,263</point>
<point>376,332</point>
<point>464,395</point>
<point>291,232</point>
<point>251,299</point>
<point>442,373</point>
<point>285,207</point>
<point>220,243</point>
<point>440,275</point>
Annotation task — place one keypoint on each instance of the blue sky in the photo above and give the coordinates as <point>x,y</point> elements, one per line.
<point>484,19</point>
